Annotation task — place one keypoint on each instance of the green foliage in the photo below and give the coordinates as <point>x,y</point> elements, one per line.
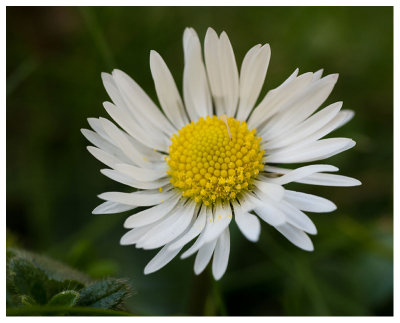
<point>104,294</point>
<point>38,284</point>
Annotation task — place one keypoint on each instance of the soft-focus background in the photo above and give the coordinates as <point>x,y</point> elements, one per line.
<point>54,59</point>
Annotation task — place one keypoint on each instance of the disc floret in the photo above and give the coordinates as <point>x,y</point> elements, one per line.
<point>214,159</point>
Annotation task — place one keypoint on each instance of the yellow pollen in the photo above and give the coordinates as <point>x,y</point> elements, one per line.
<point>214,159</point>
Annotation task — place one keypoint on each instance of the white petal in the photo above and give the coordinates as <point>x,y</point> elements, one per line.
<point>127,180</point>
<point>269,212</point>
<point>317,75</point>
<point>297,218</point>
<point>203,256</point>
<point>142,174</point>
<point>221,255</point>
<point>222,72</point>
<point>348,115</point>
<point>132,236</point>
<point>112,90</point>
<point>104,145</point>
<point>147,138</point>
<point>105,157</point>
<point>313,137</point>
<point>296,236</point>
<point>152,214</point>
<point>309,202</point>
<point>123,143</point>
<point>248,223</point>
<point>306,128</point>
<point>169,228</point>
<point>195,85</point>
<point>252,76</point>
<point>329,180</point>
<point>279,99</point>
<point>141,198</point>
<point>222,218</point>
<point>163,257</point>
<point>194,231</point>
<point>270,190</point>
<point>167,92</point>
<point>201,238</point>
<point>98,128</point>
<point>318,150</point>
<point>301,108</point>
<point>298,173</point>
<point>140,104</point>
<point>112,207</point>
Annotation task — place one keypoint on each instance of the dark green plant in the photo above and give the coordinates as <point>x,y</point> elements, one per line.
<point>38,285</point>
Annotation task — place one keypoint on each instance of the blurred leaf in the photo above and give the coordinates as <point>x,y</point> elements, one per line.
<point>66,298</point>
<point>109,293</point>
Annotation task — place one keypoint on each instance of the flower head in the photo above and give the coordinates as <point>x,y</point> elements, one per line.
<point>200,162</point>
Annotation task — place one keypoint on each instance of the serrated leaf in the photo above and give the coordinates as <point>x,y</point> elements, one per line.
<point>39,277</point>
<point>109,293</point>
<point>65,298</point>
<point>53,269</point>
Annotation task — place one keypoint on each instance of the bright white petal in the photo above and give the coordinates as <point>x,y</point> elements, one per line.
<point>248,223</point>
<point>163,257</point>
<point>140,104</point>
<point>221,255</point>
<point>104,145</point>
<point>203,256</point>
<point>111,208</point>
<point>195,85</point>
<point>301,108</point>
<point>167,92</point>
<point>297,218</point>
<point>348,115</point>
<point>307,127</point>
<point>309,202</point>
<point>142,174</point>
<point>222,218</point>
<point>105,157</point>
<point>296,236</point>
<point>169,228</point>
<point>222,72</point>
<point>194,231</point>
<point>152,214</point>
<point>132,236</point>
<point>129,124</point>
<point>329,180</point>
<point>127,180</point>
<point>318,150</point>
<point>201,238</point>
<point>269,212</point>
<point>279,99</point>
<point>141,198</point>
<point>270,190</point>
<point>123,143</point>
<point>252,76</point>
<point>298,173</point>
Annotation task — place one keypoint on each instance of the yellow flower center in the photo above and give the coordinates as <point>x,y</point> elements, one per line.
<point>214,159</point>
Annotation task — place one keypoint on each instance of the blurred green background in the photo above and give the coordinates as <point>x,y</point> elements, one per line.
<point>54,59</point>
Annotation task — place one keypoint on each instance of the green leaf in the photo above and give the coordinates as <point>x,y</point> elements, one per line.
<point>109,293</point>
<point>66,298</point>
<point>39,277</point>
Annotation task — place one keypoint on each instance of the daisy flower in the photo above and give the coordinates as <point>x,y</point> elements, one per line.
<point>202,161</point>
